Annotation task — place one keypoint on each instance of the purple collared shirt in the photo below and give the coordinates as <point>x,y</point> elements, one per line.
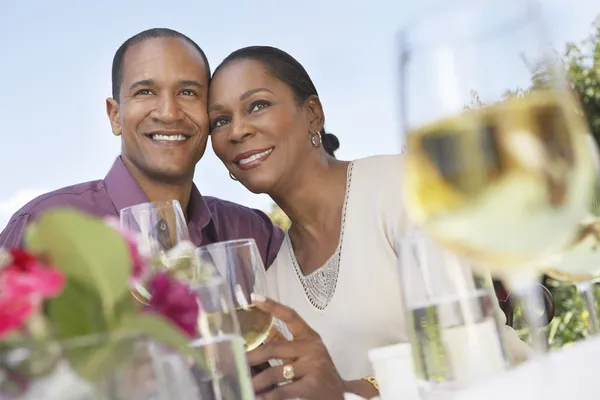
<point>210,219</point>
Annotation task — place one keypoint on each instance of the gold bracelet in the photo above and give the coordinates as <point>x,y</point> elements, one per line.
<point>372,381</point>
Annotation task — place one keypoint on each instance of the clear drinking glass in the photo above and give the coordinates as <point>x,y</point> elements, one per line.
<point>239,263</point>
<point>97,367</point>
<point>161,223</point>
<point>454,329</point>
<point>226,375</point>
<point>162,233</point>
<point>497,167</point>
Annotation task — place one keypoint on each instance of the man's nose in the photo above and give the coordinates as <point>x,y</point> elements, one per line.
<point>168,109</point>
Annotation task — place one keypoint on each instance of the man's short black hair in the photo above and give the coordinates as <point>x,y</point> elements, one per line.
<point>117,66</point>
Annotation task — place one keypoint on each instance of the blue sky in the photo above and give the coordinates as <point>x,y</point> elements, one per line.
<point>55,75</point>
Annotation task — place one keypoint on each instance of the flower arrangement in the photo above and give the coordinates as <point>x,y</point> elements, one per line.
<point>74,278</point>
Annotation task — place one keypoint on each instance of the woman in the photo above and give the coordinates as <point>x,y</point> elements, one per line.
<point>337,266</point>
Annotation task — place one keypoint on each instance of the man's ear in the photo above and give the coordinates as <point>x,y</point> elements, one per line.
<point>114,115</point>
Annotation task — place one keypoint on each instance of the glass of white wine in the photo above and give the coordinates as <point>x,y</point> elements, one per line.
<point>453,323</point>
<point>497,167</point>
<point>239,264</point>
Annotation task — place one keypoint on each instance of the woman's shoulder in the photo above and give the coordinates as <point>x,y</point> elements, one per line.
<point>378,171</point>
<point>382,164</point>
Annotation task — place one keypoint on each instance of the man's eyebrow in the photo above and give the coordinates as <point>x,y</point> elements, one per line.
<point>145,82</point>
<point>187,82</point>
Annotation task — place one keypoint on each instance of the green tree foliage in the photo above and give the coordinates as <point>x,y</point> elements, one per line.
<point>279,218</point>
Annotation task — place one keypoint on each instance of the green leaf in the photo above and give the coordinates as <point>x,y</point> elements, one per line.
<point>76,312</point>
<point>86,250</point>
<point>99,359</point>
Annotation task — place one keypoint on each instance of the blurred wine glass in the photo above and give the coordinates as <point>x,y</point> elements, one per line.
<point>579,263</point>
<point>497,167</point>
<point>239,263</point>
<point>162,233</point>
<point>226,374</point>
<point>456,336</point>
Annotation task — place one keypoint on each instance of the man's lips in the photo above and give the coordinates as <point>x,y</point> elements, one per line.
<point>168,136</point>
<point>252,158</point>
<point>169,139</point>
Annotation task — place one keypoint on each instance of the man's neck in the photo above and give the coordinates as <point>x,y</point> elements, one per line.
<point>157,190</point>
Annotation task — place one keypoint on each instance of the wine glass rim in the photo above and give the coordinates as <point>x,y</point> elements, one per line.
<point>234,243</point>
<point>425,19</point>
<point>153,204</point>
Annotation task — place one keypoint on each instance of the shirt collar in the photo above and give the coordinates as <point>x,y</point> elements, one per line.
<point>124,192</point>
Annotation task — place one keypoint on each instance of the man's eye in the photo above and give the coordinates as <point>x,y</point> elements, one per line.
<point>144,92</point>
<point>188,92</point>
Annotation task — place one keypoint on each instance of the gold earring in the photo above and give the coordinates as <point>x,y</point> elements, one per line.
<point>315,139</point>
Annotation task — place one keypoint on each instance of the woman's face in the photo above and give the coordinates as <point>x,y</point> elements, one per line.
<point>258,129</point>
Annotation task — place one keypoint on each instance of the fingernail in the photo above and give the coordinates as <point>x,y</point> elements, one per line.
<point>257,298</point>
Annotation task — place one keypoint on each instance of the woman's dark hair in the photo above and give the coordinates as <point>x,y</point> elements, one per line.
<point>288,70</point>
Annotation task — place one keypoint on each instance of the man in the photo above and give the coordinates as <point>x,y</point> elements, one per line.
<point>158,107</point>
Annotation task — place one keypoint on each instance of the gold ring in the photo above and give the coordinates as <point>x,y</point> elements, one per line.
<point>288,372</point>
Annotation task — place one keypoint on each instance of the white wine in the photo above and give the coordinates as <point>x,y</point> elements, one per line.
<point>502,186</point>
<point>457,341</point>
<point>255,325</point>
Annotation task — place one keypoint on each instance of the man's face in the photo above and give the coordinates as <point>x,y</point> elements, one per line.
<point>161,114</point>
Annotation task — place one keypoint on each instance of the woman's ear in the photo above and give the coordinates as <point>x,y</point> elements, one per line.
<point>316,117</point>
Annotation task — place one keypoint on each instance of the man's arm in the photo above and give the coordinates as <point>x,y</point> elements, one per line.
<point>269,239</point>
<point>12,235</point>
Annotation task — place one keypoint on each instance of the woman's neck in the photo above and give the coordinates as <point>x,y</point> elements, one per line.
<point>313,197</point>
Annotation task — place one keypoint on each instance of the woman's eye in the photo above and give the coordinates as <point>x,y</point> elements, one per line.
<point>218,123</point>
<point>258,105</point>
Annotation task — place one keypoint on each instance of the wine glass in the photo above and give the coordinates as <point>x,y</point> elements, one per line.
<point>496,167</point>
<point>580,262</point>
<point>162,234</point>
<point>161,223</point>
<point>239,263</point>
<point>453,328</point>
<point>226,374</point>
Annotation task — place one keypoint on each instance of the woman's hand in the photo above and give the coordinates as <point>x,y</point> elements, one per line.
<point>308,365</point>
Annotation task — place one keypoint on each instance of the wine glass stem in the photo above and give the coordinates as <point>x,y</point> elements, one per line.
<point>586,291</point>
<point>531,301</point>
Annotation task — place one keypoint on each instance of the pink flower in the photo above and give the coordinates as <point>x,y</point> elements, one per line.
<point>174,300</point>
<point>139,260</point>
<point>14,312</point>
<point>24,284</point>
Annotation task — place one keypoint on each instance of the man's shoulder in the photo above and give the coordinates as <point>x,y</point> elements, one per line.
<point>228,208</point>
<point>235,221</point>
<point>80,196</point>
